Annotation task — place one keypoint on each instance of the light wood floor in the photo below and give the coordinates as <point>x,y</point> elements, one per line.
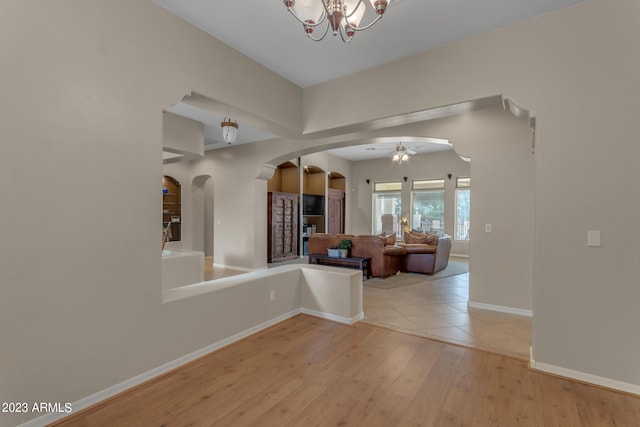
<point>212,273</point>
<point>312,372</point>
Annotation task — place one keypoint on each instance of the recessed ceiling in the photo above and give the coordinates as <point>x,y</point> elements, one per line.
<point>385,147</point>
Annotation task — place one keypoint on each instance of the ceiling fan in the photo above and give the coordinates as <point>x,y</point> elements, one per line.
<point>400,152</point>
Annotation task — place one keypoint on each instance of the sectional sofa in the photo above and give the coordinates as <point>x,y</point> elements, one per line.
<point>387,258</point>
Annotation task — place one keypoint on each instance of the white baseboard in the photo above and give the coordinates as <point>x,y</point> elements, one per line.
<point>139,379</point>
<point>585,377</point>
<point>234,267</point>
<point>459,255</point>
<point>500,308</point>
<point>333,317</point>
<point>146,376</point>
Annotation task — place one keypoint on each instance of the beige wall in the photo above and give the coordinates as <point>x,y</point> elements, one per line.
<point>182,136</point>
<point>81,273</point>
<point>84,86</point>
<point>419,167</point>
<point>577,70</point>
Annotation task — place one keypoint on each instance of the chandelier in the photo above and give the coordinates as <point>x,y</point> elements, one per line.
<point>343,16</point>
<point>402,153</point>
<point>229,130</point>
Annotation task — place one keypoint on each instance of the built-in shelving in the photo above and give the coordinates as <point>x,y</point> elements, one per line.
<point>171,208</point>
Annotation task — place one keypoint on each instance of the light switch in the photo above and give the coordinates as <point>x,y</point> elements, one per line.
<point>488,228</point>
<point>593,237</point>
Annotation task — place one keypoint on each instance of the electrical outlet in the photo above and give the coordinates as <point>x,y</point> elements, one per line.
<point>488,228</point>
<point>272,296</point>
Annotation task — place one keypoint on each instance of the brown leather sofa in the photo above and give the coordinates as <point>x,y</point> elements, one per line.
<point>425,253</point>
<point>385,258</point>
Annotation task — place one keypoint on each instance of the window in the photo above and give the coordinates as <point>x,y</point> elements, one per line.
<point>427,212</point>
<point>387,207</point>
<point>387,186</point>
<point>463,201</point>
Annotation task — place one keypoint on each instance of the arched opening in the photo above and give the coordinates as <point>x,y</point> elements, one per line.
<point>500,141</point>
<point>202,211</point>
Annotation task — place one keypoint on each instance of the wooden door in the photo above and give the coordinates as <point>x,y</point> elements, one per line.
<point>283,226</point>
<point>335,211</point>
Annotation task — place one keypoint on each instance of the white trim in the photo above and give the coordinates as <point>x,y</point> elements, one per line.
<point>500,308</point>
<point>333,317</point>
<point>169,366</point>
<point>459,255</point>
<point>585,377</point>
<point>233,267</point>
<point>146,376</point>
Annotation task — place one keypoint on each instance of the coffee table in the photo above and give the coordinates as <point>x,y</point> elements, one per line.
<point>361,263</point>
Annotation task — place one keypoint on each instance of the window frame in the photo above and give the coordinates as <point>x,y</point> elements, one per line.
<point>393,188</point>
<point>422,186</point>
<point>463,184</point>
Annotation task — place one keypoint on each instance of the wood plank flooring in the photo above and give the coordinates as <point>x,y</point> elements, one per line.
<point>312,372</point>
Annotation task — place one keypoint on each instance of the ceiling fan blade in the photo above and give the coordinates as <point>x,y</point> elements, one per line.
<point>410,152</point>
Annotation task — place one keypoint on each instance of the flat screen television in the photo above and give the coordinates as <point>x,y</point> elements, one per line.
<point>312,204</point>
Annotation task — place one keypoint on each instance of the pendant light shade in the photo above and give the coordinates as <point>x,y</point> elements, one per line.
<point>229,130</point>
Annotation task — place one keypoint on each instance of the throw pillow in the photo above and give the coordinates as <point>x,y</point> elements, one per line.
<point>413,237</point>
<point>431,239</point>
<point>408,238</point>
<point>387,240</point>
<point>420,238</point>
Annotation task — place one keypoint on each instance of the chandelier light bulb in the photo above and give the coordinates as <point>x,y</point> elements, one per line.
<point>401,154</point>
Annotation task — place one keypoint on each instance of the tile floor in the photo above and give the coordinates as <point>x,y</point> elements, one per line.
<point>435,309</point>
<point>438,309</point>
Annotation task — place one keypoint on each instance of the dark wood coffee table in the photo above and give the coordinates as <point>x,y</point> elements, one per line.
<point>361,263</point>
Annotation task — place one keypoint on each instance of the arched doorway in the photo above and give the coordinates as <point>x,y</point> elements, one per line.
<point>202,214</point>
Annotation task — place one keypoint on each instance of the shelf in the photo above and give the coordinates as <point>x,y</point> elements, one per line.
<point>172,208</point>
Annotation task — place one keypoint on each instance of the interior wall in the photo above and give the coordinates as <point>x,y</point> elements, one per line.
<point>80,102</point>
<point>502,196</point>
<point>421,166</point>
<point>291,180</point>
<point>275,183</point>
<point>202,216</point>
<point>182,135</point>
<point>578,71</point>
<point>314,183</point>
<point>72,118</point>
<point>209,198</point>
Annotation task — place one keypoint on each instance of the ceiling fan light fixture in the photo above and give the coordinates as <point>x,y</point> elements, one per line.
<point>229,130</point>
<point>400,155</point>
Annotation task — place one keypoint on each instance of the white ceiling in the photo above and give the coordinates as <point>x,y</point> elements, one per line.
<point>212,129</point>
<point>267,33</point>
